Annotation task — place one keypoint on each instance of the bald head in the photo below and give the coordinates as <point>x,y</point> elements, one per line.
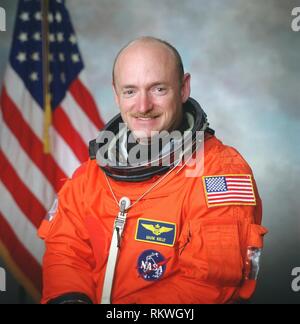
<point>150,86</point>
<point>154,44</point>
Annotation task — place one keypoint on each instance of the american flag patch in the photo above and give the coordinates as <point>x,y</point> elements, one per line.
<point>229,190</point>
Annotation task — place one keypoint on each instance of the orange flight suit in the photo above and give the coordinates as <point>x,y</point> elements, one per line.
<point>200,250</point>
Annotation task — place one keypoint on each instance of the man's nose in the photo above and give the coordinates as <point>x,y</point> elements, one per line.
<point>145,103</point>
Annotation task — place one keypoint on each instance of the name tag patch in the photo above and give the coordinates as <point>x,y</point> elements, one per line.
<point>156,232</point>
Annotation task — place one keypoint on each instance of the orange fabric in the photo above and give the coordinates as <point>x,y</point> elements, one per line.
<point>206,263</point>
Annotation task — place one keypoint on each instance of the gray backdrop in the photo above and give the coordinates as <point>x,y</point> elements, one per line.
<point>244,61</point>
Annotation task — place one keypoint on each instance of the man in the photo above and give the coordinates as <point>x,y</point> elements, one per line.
<point>175,236</point>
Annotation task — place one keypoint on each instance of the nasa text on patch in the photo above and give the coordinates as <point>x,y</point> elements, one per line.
<point>156,232</point>
<point>151,265</point>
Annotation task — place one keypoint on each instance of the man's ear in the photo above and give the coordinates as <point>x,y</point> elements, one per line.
<point>116,95</point>
<point>186,87</point>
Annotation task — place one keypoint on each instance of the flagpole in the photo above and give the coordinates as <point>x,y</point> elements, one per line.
<point>46,88</point>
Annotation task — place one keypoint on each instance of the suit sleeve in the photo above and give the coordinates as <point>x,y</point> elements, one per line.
<point>68,259</point>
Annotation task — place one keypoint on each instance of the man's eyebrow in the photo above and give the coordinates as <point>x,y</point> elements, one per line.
<point>128,86</point>
<point>161,83</point>
<point>131,86</point>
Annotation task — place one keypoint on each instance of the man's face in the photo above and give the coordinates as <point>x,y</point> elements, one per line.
<point>148,91</point>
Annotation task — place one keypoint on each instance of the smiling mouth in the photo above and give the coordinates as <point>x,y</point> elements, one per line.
<point>146,118</point>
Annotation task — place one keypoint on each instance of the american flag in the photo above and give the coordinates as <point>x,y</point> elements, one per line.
<point>229,190</point>
<point>29,178</point>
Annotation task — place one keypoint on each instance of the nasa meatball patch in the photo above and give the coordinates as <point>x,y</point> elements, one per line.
<point>156,232</point>
<point>151,265</point>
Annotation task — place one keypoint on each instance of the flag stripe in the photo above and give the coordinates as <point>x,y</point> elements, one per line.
<point>229,194</point>
<point>238,185</point>
<point>230,197</point>
<point>238,178</point>
<point>234,191</point>
<point>26,201</point>
<point>27,264</point>
<point>25,169</point>
<point>232,200</point>
<point>20,224</point>
<point>239,188</point>
<point>69,134</point>
<point>233,180</point>
<point>242,182</point>
<point>31,112</point>
<point>63,154</point>
<point>80,121</point>
<point>84,99</point>
<point>33,116</point>
<point>29,142</point>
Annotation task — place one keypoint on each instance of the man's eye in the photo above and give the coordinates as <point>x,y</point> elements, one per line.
<point>160,90</point>
<point>128,93</point>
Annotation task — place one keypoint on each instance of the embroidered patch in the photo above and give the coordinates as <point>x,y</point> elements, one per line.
<point>157,232</point>
<point>52,212</point>
<point>151,265</point>
<point>229,190</point>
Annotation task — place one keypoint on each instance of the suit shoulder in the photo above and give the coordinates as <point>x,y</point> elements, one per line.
<point>86,169</point>
<point>80,171</point>
<point>225,158</point>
